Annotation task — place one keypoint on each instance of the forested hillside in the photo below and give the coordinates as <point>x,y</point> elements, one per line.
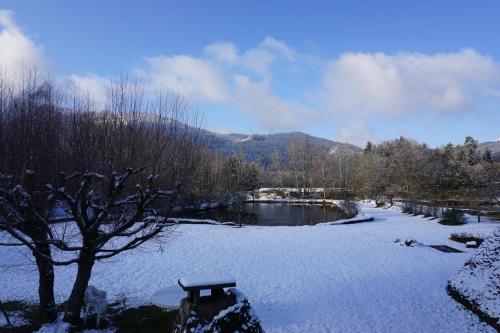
<point>494,146</point>
<point>259,148</point>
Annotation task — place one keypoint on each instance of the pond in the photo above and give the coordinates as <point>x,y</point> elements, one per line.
<point>273,214</point>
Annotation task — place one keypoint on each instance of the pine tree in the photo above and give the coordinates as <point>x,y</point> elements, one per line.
<point>487,156</point>
<point>369,147</point>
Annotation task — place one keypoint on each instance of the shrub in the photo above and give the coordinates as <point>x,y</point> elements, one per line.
<point>349,205</point>
<point>464,237</point>
<point>407,209</point>
<point>239,317</point>
<point>452,216</point>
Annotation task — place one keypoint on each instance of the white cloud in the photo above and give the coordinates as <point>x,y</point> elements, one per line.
<point>221,76</point>
<point>192,76</point>
<point>17,51</point>
<point>276,45</point>
<point>224,52</point>
<point>256,60</point>
<point>356,133</point>
<point>271,111</point>
<point>92,85</point>
<point>395,85</point>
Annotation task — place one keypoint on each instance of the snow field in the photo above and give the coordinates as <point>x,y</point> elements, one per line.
<point>338,278</point>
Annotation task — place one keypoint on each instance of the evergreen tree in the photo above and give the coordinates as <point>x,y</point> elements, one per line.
<point>470,146</point>
<point>487,156</point>
<point>369,147</point>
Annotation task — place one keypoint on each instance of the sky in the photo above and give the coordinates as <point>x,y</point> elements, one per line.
<point>350,71</point>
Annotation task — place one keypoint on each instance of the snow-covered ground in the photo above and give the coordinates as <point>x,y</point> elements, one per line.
<point>338,278</point>
<point>16,319</point>
<point>478,282</point>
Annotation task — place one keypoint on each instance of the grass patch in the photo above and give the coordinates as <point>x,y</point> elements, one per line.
<point>143,319</point>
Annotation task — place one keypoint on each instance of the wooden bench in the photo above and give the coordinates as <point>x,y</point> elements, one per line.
<point>215,284</point>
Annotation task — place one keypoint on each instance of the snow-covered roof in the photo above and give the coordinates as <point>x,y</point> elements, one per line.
<point>207,282</point>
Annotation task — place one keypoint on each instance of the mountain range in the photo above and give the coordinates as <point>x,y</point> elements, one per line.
<point>259,147</point>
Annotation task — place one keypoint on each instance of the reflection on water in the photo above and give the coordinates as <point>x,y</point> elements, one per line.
<point>273,214</point>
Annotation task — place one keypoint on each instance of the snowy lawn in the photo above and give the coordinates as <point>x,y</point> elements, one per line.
<point>478,282</point>
<point>338,278</point>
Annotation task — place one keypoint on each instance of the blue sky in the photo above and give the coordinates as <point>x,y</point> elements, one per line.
<point>344,70</point>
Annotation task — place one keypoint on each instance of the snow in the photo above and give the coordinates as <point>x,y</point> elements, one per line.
<point>471,244</point>
<point>479,280</point>
<point>57,327</point>
<point>362,217</point>
<point>298,279</point>
<point>239,317</point>
<point>271,199</point>
<point>16,319</point>
<point>191,221</point>
<point>287,190</point>
<point>168,297</point>
<point>61,327</point>
<point>204,280</point>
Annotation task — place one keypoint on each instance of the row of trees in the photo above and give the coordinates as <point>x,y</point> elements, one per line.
<point>401,168</point>
<point>416,173</point>
<point>304,166</point>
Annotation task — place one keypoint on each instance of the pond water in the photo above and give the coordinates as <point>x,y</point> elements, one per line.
<point>273,214</point>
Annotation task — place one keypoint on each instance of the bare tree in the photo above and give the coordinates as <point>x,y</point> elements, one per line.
<point>277,169</point>
<point>103,219</point>
<point>44,132</point>
<point>23,214</point>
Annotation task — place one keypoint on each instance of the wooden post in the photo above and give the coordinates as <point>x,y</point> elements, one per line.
<point>194,296</point>
<point>217,293</point>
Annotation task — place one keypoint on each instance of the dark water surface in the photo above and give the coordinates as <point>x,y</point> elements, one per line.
<point>273,214</point>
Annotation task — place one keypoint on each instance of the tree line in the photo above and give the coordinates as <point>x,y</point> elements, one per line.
<point>399,169</point>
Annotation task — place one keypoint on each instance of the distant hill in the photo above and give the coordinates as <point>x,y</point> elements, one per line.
<point>494,146</point>
<point>258,147</point>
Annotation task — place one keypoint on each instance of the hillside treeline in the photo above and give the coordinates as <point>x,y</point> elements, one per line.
<point>54,131</point>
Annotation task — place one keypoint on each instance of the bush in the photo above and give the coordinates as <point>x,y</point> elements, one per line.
<point>407,209</point>
<point>464,237</point>
<point>452,216</point>
<point>239,317</point>
<point>349,205</point>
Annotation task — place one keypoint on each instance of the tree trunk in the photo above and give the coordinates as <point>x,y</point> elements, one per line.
<point>75,301</point>
<point>48,311</point>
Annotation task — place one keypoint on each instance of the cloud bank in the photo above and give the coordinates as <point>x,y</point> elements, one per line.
<point>17,51</point>
<point>242,80</point>
<point>347,91</point>
<point>404,83</point>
